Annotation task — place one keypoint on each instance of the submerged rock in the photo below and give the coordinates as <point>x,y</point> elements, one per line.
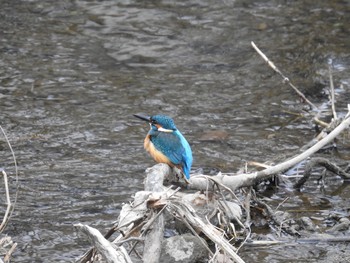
<point>183,249</point>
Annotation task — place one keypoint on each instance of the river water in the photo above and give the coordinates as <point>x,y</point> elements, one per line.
<point>72,73</point>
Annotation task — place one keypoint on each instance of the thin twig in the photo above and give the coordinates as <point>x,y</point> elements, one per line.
<point>332,92</point>
<point>321,123</point>
<point>12,152</point>
<point>245,239</point>
<point>280,204</point>
<point>9,213</point>
<point>285,79</point>
<point>8,200</point>
<point>138,239</point>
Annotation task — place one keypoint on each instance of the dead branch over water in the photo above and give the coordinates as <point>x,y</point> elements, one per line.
<point>234,182</point>
<point>214,214</point>
<point>285,79</point>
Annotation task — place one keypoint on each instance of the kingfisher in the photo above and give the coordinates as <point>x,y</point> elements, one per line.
<point>165,143</point>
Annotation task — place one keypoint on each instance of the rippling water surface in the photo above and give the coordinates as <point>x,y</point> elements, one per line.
<point>72,73</point>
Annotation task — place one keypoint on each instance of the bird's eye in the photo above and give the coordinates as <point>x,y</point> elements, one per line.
<point>154,122</point>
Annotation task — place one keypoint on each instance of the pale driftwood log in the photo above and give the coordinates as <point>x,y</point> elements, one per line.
<point>155,176</point>
<point>110,252</point>
<point>323,238</point>
<point>243,180</point>
<point>153,241</point>
<point>154,237</point>
<point>176,205</point>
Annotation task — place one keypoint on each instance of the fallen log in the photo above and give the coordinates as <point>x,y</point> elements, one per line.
<point>154,237</point>
<point>110,252</point>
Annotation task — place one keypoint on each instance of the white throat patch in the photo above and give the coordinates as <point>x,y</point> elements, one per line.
<point>164,130</point>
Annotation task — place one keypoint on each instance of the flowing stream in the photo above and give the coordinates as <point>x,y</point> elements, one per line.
<point>72,73</point>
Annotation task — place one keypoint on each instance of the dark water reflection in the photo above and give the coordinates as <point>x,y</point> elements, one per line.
<point>73,73</point>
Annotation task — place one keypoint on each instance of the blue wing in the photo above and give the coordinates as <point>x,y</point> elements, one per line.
<point>170,145</point>
<point>175,147</point>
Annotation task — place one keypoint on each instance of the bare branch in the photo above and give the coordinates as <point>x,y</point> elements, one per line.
<point>332,93</point>
<point>249,179</point>
<point>322,162</point>
<point>10,207</point>
<point>8,200</point>
<point>285,79</point>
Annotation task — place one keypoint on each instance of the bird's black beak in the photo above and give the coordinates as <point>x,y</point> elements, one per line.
<point>144,118</point>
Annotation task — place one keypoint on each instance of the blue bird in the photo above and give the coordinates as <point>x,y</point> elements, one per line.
<point>166,144</point>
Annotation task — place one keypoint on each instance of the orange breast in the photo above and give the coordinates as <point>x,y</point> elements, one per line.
<point>157,155</point>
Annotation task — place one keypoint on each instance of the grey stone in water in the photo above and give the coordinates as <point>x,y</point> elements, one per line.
<point>307,223</point>
<point>343,226</point>
<point>183,249</point>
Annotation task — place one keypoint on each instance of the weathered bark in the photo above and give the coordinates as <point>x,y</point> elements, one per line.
<point>110,252</point>
<point>154,237</point>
